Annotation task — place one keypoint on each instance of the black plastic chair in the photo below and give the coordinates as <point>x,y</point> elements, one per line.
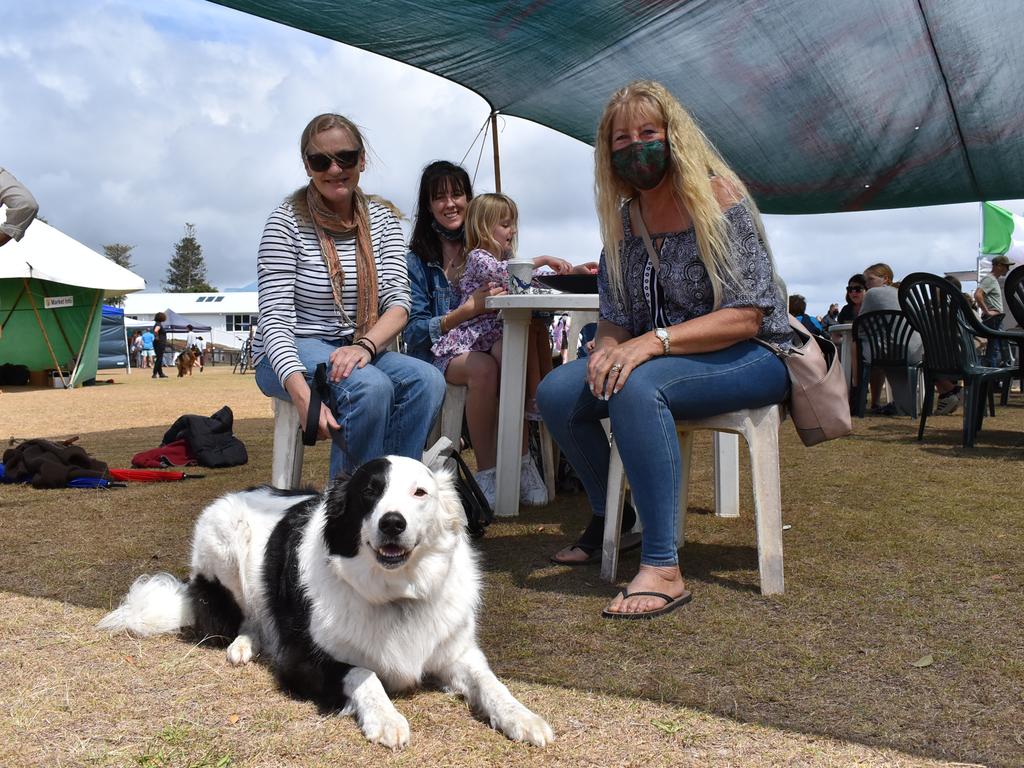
<point>939,312</point>
<point>887,334</point>
<point>1013,302</point>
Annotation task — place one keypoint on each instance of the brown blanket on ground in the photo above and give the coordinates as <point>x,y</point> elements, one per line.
<point>50,465</point>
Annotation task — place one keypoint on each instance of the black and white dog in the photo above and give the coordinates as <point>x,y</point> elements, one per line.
<point>370,586</point>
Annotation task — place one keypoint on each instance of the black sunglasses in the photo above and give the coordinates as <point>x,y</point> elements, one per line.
<point>854,289</point>
<point>347,158</point>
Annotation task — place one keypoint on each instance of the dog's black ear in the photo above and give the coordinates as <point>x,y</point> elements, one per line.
<point>349,501</point>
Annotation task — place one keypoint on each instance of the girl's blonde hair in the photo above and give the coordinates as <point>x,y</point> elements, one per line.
<point>693,164</point>
<point>881,270</point>
<point>483,214</point>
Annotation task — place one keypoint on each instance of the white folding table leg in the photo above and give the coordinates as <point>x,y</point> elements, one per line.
<point>510,411</point>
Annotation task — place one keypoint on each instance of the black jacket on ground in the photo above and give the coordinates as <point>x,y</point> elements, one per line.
<point>209,439</point>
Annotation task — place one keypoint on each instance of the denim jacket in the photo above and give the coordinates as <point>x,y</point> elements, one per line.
<point>432,297</point>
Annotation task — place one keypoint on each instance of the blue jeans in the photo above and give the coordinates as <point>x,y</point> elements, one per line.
<point>385,408</point>
<point>643,416</point>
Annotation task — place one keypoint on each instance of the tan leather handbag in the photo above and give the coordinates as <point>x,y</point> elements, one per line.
<point>819,400</point>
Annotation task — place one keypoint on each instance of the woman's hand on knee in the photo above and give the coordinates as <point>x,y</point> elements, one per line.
<point>611,364</point>
<point>344,360</point>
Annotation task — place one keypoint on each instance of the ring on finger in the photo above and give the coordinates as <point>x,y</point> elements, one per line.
<point>616,367</point>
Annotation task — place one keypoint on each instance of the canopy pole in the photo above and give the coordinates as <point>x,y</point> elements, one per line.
<point>46,337</point>
<point>85,338</point>
<point>56,316</point>
<point>497,157</point>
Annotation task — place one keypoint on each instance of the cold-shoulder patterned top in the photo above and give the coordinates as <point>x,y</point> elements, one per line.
<point>681,290</point>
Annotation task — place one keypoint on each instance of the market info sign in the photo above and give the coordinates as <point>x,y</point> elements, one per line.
<point>56,302</point>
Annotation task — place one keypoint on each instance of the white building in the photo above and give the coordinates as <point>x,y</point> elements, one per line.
<point>229,315</point>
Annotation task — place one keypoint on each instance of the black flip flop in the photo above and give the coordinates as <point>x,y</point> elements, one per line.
<point>627,542</point>
<point>670,605</point>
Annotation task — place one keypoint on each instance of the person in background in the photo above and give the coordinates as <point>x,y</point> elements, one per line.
<point>675,337</point>
<point>21,207</point>
<point>159,345</point>
<point>831,317</point>
<point>334,290</point>
<point>147,348</point>
<point>798,309</point>
<point>882,294</point>
<point>856,286</point>
<point>136,349</point>
<point>989,295</point>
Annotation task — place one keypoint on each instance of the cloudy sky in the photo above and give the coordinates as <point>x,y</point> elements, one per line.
<point>129,118</point>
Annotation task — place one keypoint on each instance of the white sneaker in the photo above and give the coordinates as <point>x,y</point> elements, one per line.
<point>486,480</point>
<point>532,490</point>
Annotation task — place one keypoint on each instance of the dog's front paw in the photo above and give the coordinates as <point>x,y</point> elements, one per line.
<point>389,729</point>
<point>523,725</point>
<point>241,650</point>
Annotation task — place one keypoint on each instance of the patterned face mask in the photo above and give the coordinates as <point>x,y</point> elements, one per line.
<point>642,164</point>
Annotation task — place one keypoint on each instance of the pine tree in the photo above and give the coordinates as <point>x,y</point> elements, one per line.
<point>187,271</point>
<point>120,254</point>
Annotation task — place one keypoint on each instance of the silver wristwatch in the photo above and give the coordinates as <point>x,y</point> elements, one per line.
<point>662,334</point>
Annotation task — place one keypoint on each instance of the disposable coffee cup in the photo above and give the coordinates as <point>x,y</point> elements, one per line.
<point>520,276</point>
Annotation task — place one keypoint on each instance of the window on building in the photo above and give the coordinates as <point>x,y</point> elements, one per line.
<point>238,322</point>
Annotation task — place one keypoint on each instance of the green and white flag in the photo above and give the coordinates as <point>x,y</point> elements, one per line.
<point>1002,232</point>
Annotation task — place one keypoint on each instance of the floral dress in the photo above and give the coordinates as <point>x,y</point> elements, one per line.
<point>482,332</point>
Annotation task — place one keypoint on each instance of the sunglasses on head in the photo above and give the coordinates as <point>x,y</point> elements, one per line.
<point>347,158</point>
<point>855,289</point>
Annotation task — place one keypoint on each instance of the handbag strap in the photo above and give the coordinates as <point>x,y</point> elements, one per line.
<point>637,222</point>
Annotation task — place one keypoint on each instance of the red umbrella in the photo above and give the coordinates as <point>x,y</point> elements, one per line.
<point>150,475</point>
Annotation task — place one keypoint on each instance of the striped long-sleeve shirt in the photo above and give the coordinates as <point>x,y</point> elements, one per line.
<point>295,298</point>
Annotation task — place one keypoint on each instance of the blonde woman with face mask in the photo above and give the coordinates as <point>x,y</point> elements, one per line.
<point>676,328</point>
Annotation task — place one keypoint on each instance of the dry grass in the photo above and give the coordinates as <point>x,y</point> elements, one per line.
<point>896,551</point>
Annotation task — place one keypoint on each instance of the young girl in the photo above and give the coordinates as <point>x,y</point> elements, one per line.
<point>491,226</point>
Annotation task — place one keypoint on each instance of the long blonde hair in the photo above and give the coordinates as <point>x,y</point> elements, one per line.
<point>483,214</point>
<point>693,163</point>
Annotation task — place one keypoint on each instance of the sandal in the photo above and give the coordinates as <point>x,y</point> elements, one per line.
<point>592,538</point>
<point>671,603</point>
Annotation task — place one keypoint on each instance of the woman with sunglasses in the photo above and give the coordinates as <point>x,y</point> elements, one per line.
<point>855,288</point>
<point>333,288</point>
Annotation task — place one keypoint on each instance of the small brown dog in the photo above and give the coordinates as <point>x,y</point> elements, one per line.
<point>186,362</point>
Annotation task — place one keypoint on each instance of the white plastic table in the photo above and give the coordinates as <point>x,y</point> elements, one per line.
<point>845,331</point>
<point>516,311</point>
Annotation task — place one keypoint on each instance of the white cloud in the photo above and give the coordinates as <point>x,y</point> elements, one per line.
<point>128,118</point>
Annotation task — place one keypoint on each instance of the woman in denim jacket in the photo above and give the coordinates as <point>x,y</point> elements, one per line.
<point>675,331</point>
<point>437,254</point>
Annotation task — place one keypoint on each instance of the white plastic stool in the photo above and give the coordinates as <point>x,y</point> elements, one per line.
<point>760,428</point>
<point>286,468</point>
<point>449,421</point>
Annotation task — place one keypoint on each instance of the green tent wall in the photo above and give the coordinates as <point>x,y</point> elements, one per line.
<point>72,331</point>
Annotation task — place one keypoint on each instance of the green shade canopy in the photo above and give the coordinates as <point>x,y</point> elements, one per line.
<point>819,106</point>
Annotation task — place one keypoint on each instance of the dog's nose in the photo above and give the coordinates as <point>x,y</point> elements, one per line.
<point>392,524</point>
